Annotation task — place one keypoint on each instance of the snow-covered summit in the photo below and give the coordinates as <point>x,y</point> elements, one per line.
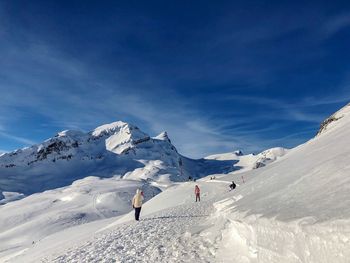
<point>120,136</point>
<point>109,128</point>
<point>163,136</point>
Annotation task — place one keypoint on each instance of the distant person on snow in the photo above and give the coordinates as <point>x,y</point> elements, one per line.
<point>233,185</point>
<point>197,192</point>
<point>137,203</point>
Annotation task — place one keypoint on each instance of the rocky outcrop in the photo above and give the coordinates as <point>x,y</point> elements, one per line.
<point>326,122</point>
<point>258,164</point>
<point>269,156</point>
<point>54,147</point>
<point>238,153</point>
<point>334,118</point>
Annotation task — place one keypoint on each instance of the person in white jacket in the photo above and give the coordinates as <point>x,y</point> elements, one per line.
<point>137,203</point>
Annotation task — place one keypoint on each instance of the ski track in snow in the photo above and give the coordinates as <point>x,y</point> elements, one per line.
<point>172,235</point>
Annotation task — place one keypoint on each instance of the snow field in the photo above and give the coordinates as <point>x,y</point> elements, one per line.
<point>176,232</point>
<point>34,218</point>
<point>168,236</point>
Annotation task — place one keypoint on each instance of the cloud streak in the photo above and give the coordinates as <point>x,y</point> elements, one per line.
<point>17,138</point>
<point>95,101</point>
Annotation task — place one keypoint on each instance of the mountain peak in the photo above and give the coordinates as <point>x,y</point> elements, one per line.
<point>163,136</point>
<point>120,136</point>
<point>109,128</point>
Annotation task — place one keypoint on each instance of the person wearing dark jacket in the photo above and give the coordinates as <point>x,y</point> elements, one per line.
<point>233,185</point>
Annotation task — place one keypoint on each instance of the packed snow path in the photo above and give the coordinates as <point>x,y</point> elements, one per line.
<point>172,235</point>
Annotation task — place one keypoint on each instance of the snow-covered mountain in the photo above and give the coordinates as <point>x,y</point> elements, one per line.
<point>294,208</point>
<point>117,149</point>
<point>92,176</point>
<point>251,161</point>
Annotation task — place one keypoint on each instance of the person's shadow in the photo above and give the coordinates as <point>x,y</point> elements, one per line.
<point>173,217</point>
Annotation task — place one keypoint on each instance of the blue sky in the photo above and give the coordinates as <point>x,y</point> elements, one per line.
<point>216,75</point>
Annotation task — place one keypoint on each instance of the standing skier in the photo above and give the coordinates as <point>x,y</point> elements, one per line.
<point>197,192</point>
<point>137,203</point>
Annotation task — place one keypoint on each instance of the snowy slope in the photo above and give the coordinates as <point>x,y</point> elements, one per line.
<point>313,176</point>
<point>168,232</point>
<point>39,215</point>
<point>296,209</point>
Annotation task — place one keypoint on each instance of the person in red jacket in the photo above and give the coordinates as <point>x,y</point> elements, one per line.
<point>197,192</point>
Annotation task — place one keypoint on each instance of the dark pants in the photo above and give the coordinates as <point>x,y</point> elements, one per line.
<point>198,197</point>
<point>137,213</point>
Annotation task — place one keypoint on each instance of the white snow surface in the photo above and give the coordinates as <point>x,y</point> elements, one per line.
<point>294,209</point>
<point>10,196</point>
<point>39,215</point>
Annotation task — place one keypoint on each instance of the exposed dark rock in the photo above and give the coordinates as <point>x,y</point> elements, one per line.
<point>258,164</point>
<point>56,147</point>
<point>12,154</point>
<point>325,124</point>
<point>238,153</point>
<point>65,157</point>
<point>141,140</point>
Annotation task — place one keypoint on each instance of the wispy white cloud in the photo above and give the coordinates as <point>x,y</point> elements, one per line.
<point>94,101</point>
<point>17,138</point>
<point>341,97</point>
<point>298,111</point>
